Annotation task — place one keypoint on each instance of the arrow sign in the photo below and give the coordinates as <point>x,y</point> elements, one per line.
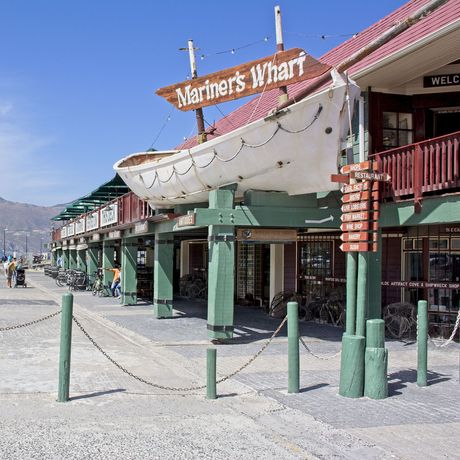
<point>358,196</point>
<point>363,166</point>
<point>321,221</point>
<point>358,247</point>
<point>354,216</point>
<point>381,177</point>
<point>359,226</point>
<point>355,237</point>
<point>343,178</point>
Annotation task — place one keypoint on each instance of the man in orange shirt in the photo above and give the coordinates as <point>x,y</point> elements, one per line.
<point>116,280</point>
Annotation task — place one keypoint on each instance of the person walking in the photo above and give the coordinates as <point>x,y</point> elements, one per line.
<point>10,271</point>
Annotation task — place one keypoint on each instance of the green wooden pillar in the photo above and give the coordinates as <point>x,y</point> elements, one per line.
<point>108,257</point>
<point>72,259</point>
<point>221,240</point>
<point>352,268</point>
<point>352,366</point>
<point>91,261</point>
<point>129,271</point>
<point>81,259</point>
<point>65,258</point>
<point>362,294</point>
<point>374,309</point>
<point>163,275</point>
<point>53,257</point>
<point>375,361</point>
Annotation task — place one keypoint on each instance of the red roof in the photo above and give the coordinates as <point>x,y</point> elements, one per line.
<point>261,105</point>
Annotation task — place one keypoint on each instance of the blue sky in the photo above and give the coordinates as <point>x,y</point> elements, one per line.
<point>78,79</point>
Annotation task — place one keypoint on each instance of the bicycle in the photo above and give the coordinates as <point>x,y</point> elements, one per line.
<point>98,287</point>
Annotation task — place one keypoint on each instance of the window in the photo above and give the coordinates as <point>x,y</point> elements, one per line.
<point>397,129</point>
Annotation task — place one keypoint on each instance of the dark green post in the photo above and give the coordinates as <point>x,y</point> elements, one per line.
<point>352,366</point>
<point>293,347</point>
<point>352,268</point>
<point>361,295</point>
<point>211,354</point>
<point>422,343</point>
<point>65,347</point>
<point>375,360</point>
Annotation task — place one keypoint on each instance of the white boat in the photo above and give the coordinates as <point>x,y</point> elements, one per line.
<point>295,151</point>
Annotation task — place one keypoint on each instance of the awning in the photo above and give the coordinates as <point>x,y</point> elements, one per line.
<point>104,193</point>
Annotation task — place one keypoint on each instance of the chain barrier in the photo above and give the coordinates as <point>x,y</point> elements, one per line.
<point>18,326</point>
<point>443,343</point>
<point>324,358</point>
<point>267,343</point>
<point>168,388</point>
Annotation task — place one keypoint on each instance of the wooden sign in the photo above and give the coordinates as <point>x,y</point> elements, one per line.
<point>360,206</point>
<point>381,177</point>
<point>264,235</point>
<point>342,178</point>
<point>358,236</point>
<point>280,69</point>
<point>354,216</point>
<point>358,247</point>
<point>363,166</point>
<point>187,220</point>
<point>358,196</point>
<point>359,226</point>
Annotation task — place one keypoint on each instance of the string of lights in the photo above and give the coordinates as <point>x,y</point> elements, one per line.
<point>321,36</point>
<point>235,49</point>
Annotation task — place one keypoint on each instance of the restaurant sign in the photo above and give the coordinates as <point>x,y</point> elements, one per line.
<point>280,69</point>
<point>109,214</point>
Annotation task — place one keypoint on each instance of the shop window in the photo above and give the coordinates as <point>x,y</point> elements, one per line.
<point>440,244</point>
<point>397,129</point>
<point>455,244</point>
<point>141,258</point>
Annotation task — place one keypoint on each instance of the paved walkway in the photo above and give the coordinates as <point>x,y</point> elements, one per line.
<point>111,415</point>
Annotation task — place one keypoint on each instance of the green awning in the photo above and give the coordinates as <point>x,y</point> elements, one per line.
<point>103,194</point>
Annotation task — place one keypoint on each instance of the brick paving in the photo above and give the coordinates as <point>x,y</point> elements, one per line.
<point>430,415</point>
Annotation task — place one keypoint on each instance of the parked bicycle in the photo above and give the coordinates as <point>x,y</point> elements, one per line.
<point>98,288</point>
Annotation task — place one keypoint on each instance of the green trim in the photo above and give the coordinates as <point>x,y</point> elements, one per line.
<point>436,210</point>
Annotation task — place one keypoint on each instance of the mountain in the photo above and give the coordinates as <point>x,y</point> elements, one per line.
<point>26,224</point>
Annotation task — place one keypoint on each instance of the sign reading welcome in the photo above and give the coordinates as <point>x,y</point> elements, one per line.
<point>280,69</point>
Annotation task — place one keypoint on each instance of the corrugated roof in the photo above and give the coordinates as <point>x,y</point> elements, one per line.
<point>104,193</point>
<point>261,105</point>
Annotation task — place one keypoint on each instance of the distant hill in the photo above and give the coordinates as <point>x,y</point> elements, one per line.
<point>25,221</point>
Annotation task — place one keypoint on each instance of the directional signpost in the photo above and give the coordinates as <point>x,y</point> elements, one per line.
<point>360,215</point>
<point>360,209</point>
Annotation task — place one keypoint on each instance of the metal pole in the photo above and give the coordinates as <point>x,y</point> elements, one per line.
<point>293,347</point>
<point>211,355</point>
<point>4,241</point>
<point>65,347</point>
<point>422,343</point>
<point>199,111</point>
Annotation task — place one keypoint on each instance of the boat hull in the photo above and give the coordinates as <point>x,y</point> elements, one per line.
<point>294,151</point>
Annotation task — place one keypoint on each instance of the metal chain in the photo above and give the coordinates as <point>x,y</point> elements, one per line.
<point>267,343</point>
<point>442,344</point>
<point>315,355</point>
<point>162,387</point>
<point>18,326</point>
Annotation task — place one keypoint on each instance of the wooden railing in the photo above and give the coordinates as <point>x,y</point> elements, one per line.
<point>421,168</point>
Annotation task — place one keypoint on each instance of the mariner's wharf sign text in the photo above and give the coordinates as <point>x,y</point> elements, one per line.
<point>281,69</point>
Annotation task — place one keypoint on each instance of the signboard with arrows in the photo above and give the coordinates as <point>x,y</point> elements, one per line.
<point>360,209</point>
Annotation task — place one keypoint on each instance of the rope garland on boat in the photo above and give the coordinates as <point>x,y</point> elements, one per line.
<point>215,155</point>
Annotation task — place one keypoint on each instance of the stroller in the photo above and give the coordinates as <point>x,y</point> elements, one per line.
<point>20,278</point>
